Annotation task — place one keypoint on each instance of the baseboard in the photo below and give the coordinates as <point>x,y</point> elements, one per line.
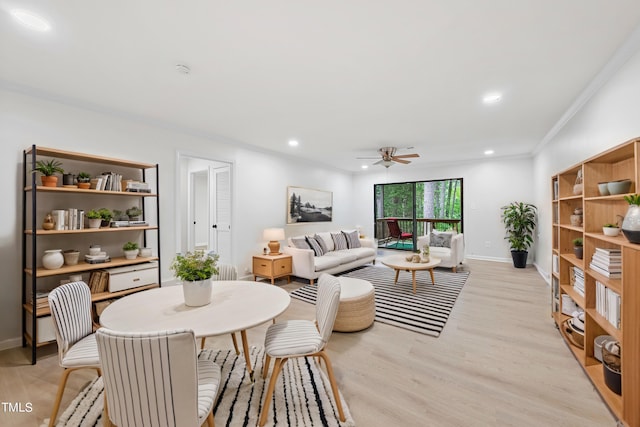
<point>486,258</point>
<point>10,343</point>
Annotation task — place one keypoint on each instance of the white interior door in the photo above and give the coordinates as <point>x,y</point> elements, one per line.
<point>221,209</point>
<point>200,221</point>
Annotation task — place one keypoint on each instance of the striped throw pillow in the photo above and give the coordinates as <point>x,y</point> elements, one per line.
<point>313,243</point>
<point>339,240</point>
<point>353,241</point>
<point>322,244</point>
<point>300,243</point>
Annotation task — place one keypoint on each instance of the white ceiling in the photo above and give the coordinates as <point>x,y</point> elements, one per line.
<point>342,77</point>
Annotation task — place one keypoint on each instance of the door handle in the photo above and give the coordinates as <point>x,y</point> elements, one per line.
<point>214,226</point>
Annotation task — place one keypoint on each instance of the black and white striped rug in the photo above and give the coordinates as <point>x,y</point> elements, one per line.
<point>425,312</point>
<point>303,396</point>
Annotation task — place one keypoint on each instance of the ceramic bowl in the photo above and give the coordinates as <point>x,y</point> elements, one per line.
<point>619,187</point>
<point>610,231</point>
<point>603,188</point>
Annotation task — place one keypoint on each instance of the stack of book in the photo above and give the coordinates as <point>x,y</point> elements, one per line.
<point>99,281</point>
<point>42,300</point>
<point>607,262</point>
<point>608,304</point>
<point>578,284</point>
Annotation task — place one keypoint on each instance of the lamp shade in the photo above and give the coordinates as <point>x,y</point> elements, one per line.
<point>272,234</point>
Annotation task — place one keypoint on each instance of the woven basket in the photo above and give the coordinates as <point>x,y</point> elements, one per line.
<point>574,337</point>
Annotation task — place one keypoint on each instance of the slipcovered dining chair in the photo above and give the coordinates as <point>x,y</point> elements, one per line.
<point>396,233</point>
<point>303,338</point>
<point>70,306</point>
<point>226,272</point>
<point>157,378</point>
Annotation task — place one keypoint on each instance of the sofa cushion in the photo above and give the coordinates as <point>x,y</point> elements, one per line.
<point>340,241</point>
<point>362,252</point>
<point>322,243</point>
<point>344,255</point>
<point>439,252</point>
<point>441,240</point>
<point>300,242</point>
<point>313,244</point>
<point>326,262</point>
<point>353,240</point>
<point>328,241</point>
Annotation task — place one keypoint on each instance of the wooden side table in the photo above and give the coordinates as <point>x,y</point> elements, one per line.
<point>272,267</point>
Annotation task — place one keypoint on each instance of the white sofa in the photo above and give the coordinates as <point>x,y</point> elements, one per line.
<point>448,246</point>
<point>307,265</point>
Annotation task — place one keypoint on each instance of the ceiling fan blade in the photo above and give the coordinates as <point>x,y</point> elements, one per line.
<point>368,158</point>
<point>404,156</point>
<point>404,162</point>
<point>379,162</point>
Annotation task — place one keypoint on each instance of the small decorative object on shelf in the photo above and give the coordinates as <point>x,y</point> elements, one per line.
<point>130,250</point>
<point>611,230</point>
<point>425,253</point>
<point>93,218</point>
<point>631,222</point>
<point>49,169</point>
<point>195,270</point>
<point>576,218</point>
<point>578,249</point>
<point>84,180</point>
<point>52,259</point>
<point>577,188</point>
<point>134,213</point>
<point>49,223</point>
<point>71,256</point>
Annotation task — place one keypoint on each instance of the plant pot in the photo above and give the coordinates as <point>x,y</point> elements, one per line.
<point>94,222</point>
<point>132,254</point>
<point>631,224</point>
<point>198,293</point>
<point>52,259</point>
<point>576,220</point>
<point>610,231</point>
<point>68,179</point>
<point>578,251</point>
<point>71,257</point>
<point>519,258</point>
<point>84,185</point>
<point>49,181</point>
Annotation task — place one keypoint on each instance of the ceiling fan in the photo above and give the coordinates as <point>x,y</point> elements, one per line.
<point>389,156</point>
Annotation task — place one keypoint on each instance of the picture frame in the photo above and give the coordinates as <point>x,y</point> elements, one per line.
<point>305,205</point>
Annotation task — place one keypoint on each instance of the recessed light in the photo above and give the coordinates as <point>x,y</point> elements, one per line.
<point>365,166</point>
<point>31,20</point>
<point>293,143</point>
<point>488,152</point>
<point>492,98</point>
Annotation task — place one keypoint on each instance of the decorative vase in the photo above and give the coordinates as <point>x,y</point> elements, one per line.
<point>610,231</point>
<point>49,222</point>
<point>198,293</point>
<point>132,254</point>
<point>52,259</point>
<point>631,224</point>
<point>71,257</point>
<point>94,222</point>
<point>578,251</point>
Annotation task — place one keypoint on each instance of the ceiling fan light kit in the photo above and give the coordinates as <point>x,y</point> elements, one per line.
<point>389,157</point>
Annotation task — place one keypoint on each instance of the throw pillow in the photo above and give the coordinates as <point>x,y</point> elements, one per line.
<point>322,243</point>
<point>313,243</point>
<point>300,243</point>
<point>441,240</point>
<point>353,240</point>
<point>340,241</point>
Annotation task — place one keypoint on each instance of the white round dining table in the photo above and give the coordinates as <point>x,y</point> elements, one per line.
<point>236,305</point>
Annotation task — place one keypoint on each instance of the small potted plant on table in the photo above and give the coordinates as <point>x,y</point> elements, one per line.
<point>195,269</point>
<point>48,169</point>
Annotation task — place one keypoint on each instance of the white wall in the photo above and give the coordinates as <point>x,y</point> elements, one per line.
<point>259,181</point>
<point>487,186</point>
<point>608,119</point>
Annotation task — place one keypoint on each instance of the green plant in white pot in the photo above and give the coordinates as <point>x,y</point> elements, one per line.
<point>519,219</point>
<point>610,229</point>
<point>130,250</point>
<point>195,270</point>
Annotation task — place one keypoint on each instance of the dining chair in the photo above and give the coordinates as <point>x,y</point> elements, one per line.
<point>226,272</point>
<point>70,306</point>
<point>396,232</point>
<point>157,378</point>
<point>303,338</point>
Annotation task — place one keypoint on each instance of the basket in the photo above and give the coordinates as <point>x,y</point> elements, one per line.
<point>573,336</point>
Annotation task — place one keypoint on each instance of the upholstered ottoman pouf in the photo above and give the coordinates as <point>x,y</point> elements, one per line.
<point>357,307</point>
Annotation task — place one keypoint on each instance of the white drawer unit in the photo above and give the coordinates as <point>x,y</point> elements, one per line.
<point>132,276</point>
<point>45,330</point>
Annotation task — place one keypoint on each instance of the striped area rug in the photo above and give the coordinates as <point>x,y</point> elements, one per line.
<point>425,312</point>
<point>302,398</point>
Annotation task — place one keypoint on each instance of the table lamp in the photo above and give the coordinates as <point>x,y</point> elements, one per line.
<point>273,235</point>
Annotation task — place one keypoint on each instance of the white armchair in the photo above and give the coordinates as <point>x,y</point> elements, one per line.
<point>451,254</point>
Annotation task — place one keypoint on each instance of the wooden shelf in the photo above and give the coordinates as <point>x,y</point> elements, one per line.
<point>41,232</point>
<point>579,299</point>
<point>83,266</point>
<point>62,154</point>
<point>44,189</point>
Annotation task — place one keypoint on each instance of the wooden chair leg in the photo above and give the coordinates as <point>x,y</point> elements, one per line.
<point>334,386</point>
<point>202,342</point>
<point>265,367</point>
<point>264,413</point>
<point>61,386</point>
<point>210,421</point>
<point>106,421</point>
<point>235,343</point>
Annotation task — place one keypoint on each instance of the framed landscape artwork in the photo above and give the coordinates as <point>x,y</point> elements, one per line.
<point>308,205</point>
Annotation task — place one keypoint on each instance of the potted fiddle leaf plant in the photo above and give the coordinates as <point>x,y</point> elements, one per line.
<point>195,270</point>
<point>49,169</point>
<point>520,220</point>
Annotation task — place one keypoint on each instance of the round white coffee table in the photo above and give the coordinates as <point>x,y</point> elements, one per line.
<point>399,262</point>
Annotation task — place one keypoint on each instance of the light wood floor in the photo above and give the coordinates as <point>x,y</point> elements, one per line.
<point>499,362</point>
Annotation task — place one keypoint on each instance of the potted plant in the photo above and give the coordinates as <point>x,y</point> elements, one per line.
<point>610,229</point>
<point>105,215</point>
<point>195,269</point>
<point>93,218</point>
<point>84,180</point>
<point>130,250</point>
<point>134,213</point>
<point>631,221</point>
<point>578,249</point>
<point>48,169</point>
<point>519,219</point>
